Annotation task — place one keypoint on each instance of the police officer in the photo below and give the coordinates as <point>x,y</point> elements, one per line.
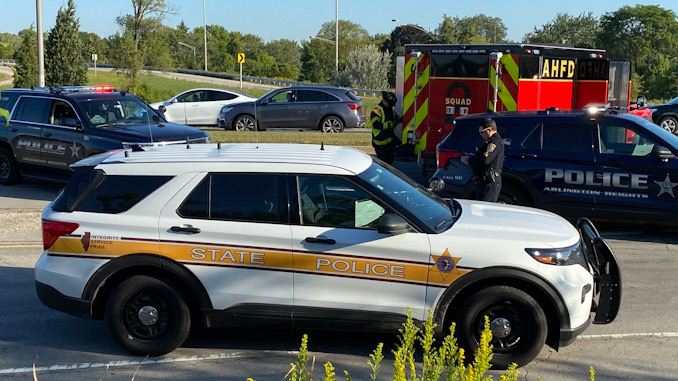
<point>487,162</point>
<point>383,121</point>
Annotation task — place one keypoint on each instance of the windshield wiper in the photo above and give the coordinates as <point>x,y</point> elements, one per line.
<point>443,222</point>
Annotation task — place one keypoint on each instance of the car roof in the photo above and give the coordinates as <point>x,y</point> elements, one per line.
<point>202,156</point>
<point>72,92</point>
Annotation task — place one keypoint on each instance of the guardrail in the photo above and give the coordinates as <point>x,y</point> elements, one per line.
<point>236,77</point>
<point>7,62</point>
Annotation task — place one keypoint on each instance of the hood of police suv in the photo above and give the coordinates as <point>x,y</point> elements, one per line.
<point>152,132</point>
<point>510,223</point>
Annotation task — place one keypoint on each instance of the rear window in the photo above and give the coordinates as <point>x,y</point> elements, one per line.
<point>352,96</point>
<point>465,134</point>
<point>93,191</point>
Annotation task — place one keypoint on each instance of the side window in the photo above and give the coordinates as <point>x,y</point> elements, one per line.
<point>335,202</point>
<point>61,110</point>
<point>238,197</point>
<point>117,194</point>
<point>219,96</point>
<point>569,137</point>
<point>34,110</point>
<point>310,96</point>
<point>619,140</point>
<point>283,97</point>
<point>193,96</point>
<point>6,103</point>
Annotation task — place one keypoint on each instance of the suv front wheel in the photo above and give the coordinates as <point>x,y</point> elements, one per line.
<point>512,195</point>
<point>148,316</point>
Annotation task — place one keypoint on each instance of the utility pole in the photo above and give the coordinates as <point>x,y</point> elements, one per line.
<point>41,49</point>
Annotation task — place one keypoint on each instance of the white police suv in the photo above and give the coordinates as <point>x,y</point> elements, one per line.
<point>310,236</point>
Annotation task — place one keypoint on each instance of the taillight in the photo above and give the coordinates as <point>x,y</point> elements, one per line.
<point>443,156</point>
<point>354,106</point>
<point>52,230</point>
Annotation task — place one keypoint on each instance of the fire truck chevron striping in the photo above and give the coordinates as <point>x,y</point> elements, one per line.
<point>416,98</point>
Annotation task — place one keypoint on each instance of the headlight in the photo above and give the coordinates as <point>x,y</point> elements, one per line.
<point>225,110</point>
<point>567,256</point>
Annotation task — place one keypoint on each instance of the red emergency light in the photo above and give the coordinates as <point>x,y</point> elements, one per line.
<point>104,88</point>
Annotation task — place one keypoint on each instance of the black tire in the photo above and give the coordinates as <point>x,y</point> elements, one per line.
<point>513,195</point>
<point>331,124</point>
<point>517,322</point>
<point>147,316</point>
<point>9,170</point>
<point>245,123</point>
<point>669,123</point>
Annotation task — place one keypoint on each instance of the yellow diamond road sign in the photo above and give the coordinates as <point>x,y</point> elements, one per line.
<point>241,57</point>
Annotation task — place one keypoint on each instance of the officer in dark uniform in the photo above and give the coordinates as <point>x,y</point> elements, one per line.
<point>487,162</point>
<point>383,121</point>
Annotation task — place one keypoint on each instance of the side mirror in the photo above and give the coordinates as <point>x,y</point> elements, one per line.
<point>162,108</point>
<point>70,122</point>
<point>393,224</point>
<point>640,102</point>
<point>661,152</point>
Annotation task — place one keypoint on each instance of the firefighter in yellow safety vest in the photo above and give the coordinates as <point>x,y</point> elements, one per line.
<point>383,121</point>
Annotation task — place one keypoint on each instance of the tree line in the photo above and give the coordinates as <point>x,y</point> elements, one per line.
<point>647,35</point>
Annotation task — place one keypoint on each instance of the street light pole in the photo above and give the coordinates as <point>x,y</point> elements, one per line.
<point>41,50</point>
<point>204,30</point>
<point>336,42</point>
<point>189,46</point>
<point>336,55</point>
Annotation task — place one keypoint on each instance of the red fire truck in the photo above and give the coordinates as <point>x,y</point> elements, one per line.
<point>441,82</point>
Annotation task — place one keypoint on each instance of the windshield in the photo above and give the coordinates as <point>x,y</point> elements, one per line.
<point>115,111</point>
<point>426,206</point>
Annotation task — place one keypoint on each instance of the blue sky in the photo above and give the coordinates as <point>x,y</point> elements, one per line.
<point>299,19</point>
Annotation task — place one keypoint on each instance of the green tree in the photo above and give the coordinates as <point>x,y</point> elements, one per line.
<point>26,69</point>
<point>318,54</point>
<point>580,31</point>
<point>8,44</point>
<point>64,53</point>
<point>137,45</point>
<point>93,44</point>
<point>396,41</point>
<point>367,68</point>
<point>287,55</point>
<point>638,33</point>
<point>446,32</point>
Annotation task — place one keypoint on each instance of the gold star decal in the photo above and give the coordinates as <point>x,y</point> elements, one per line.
<point>444,268</point>
<point>666,186</point>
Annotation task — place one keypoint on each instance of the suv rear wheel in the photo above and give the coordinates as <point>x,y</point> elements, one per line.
<point>332,124</point>
<point>513,195</point>
<point>9,170</point>
<point>148,316</point>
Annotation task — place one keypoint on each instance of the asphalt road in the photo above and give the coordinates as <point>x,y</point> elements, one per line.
<point>642,344</point>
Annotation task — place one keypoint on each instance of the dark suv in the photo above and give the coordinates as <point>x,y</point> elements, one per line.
<point>604,166</point>
<point>43,131</point>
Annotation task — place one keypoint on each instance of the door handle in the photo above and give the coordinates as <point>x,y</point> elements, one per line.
<point>47,134</point>
<point>327,241</point>
<point>188,229</point>
<point>528,156</point>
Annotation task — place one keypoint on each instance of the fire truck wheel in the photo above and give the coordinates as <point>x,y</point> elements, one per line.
<point>147,316</point>
<point>332,124</point>
<point>517,322</point>
<point>670,124</point>
<point>9,170</point>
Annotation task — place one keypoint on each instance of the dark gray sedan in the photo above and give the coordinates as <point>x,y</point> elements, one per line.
<point>325,108</point>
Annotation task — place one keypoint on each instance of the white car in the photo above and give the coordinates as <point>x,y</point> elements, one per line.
<point>310,236</point>
<point>199,107</point>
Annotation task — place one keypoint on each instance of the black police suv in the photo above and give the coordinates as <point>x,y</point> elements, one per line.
<point>666,115</point>
<point>604,166</point>
<point>43,131</point>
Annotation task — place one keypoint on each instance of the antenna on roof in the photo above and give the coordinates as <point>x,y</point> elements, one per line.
<point>219,145</point>
<point>188,144</point>
<point>322,146</point>
<point>126,153</point>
